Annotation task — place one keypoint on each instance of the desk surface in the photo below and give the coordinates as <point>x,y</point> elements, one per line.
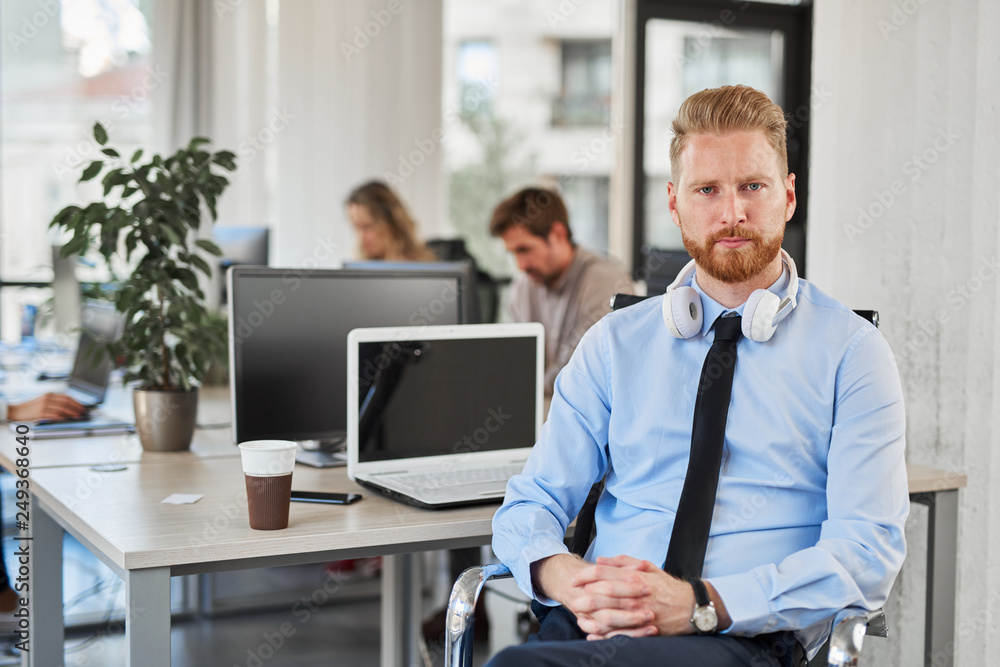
<point>922,479</point>
<point>213,408</point>
<point>120,513</point>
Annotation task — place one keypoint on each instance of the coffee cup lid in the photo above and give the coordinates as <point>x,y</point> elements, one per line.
<point>264,458</point>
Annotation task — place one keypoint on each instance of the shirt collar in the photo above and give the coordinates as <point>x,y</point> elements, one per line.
<point>711,308</point>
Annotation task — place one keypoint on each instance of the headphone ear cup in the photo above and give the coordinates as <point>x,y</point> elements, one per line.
<point>758,314</point>
<point>682,312</point>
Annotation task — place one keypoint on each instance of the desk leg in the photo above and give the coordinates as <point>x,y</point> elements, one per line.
<point>45,590</point>
<point>147,617</point>
<point>942,547</point>
<point>401,611</point>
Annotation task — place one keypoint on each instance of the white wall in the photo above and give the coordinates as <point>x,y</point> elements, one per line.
<point>357,115</point>
<point>909,133</point>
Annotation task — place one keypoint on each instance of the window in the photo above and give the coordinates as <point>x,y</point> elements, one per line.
<point>478,70</point>
<point>585,98</point>
<point>526,101</point>
<point>65,65</point>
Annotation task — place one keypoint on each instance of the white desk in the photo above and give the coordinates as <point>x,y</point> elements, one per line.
<point>122,521</point>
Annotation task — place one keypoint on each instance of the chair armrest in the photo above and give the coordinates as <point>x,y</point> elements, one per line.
<point>461,612</point>
<point>877,625</point>
<point>846,640</point>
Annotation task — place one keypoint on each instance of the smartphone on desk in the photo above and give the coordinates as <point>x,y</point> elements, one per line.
<point>325,497</point>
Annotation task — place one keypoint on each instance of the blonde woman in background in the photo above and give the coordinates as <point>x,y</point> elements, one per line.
<point>384,227</point>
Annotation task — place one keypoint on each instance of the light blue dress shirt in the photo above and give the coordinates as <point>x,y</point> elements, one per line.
<point>812,492</point>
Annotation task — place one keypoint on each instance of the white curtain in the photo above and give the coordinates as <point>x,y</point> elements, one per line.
<point>182,50</point>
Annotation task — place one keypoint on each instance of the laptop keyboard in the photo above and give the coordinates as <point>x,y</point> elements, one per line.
<point>458,477</point>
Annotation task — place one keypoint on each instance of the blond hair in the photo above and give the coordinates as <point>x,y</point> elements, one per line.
<point>728,109</point>
<point>388,211</point>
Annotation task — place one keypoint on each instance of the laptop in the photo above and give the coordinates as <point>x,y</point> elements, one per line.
<point>443,416</point>
<point>88,379</point>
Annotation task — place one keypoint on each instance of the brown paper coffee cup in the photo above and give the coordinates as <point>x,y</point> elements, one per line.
<point>268,501</point>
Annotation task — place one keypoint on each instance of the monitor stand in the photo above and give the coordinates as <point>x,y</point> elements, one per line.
<point>322,453</point>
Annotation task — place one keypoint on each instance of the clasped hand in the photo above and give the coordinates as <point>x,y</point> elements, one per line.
<point>626,596</point>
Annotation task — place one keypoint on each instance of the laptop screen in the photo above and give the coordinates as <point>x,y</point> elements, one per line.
<point>433,397</point>
<point>91,367</point>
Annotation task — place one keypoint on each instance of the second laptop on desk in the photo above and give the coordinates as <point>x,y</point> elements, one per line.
<point>88,384</point>
<point>441,416</point>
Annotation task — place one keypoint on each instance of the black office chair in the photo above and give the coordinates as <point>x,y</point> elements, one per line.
<point>487,287</point>
<point>660,267</point>
<point>842,648</point>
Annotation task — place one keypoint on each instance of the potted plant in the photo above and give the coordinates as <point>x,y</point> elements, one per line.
<point>148,219</point>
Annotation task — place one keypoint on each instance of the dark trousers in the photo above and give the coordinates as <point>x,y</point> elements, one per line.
<point>559,643</point>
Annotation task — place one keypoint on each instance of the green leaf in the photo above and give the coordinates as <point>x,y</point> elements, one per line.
<point>112,179</point>
<point>136,156</point>
<point>64,216</point>
<point>225,159</point>
<point>170,234</point>
<point>209,246</point>
<point>188,279</point>
<point>197,141</point>
<point>130,242</point>
<point>93,169</point>
<point>75,245</point>
<point>100,134</point>
<point>201,264</point>
<point>111,152</point>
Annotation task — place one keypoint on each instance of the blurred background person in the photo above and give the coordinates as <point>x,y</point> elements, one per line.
<point>384,227</point>
<point>565,287</point>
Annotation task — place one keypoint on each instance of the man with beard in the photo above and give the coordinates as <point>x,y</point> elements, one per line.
<point>565,287</point>
<point>807,493</point>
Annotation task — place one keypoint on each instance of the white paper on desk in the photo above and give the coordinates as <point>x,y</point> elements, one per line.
<point>182,498</point>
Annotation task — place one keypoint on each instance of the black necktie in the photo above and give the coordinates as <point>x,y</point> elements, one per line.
<point>688,542</point>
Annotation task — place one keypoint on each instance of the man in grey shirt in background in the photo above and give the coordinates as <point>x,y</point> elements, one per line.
<point>564,286</point>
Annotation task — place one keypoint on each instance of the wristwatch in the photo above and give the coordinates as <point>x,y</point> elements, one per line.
<point>704,619</point>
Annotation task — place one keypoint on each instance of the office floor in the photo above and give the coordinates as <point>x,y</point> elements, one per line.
<point>343,635</point>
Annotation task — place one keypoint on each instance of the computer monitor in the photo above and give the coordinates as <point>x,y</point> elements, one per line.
<point>239,246</point>
<point>65,291</point>
<point>288,339</point>
<point>470,282</point>
<point>242,245</point>
<point>102,319</point>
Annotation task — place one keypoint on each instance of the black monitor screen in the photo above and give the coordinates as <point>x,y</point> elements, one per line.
<point>288,340</point>
<point>450,396</point>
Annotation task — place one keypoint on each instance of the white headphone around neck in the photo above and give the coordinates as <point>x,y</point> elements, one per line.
<point>683,315</point>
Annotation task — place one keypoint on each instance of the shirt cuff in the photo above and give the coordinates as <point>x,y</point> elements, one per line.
<point>532,556</point>
<point>746,603</point>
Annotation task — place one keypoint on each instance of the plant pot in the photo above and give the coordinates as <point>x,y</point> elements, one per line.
<point>165,419</point>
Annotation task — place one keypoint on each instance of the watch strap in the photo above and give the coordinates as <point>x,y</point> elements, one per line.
<point>701,597</point>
